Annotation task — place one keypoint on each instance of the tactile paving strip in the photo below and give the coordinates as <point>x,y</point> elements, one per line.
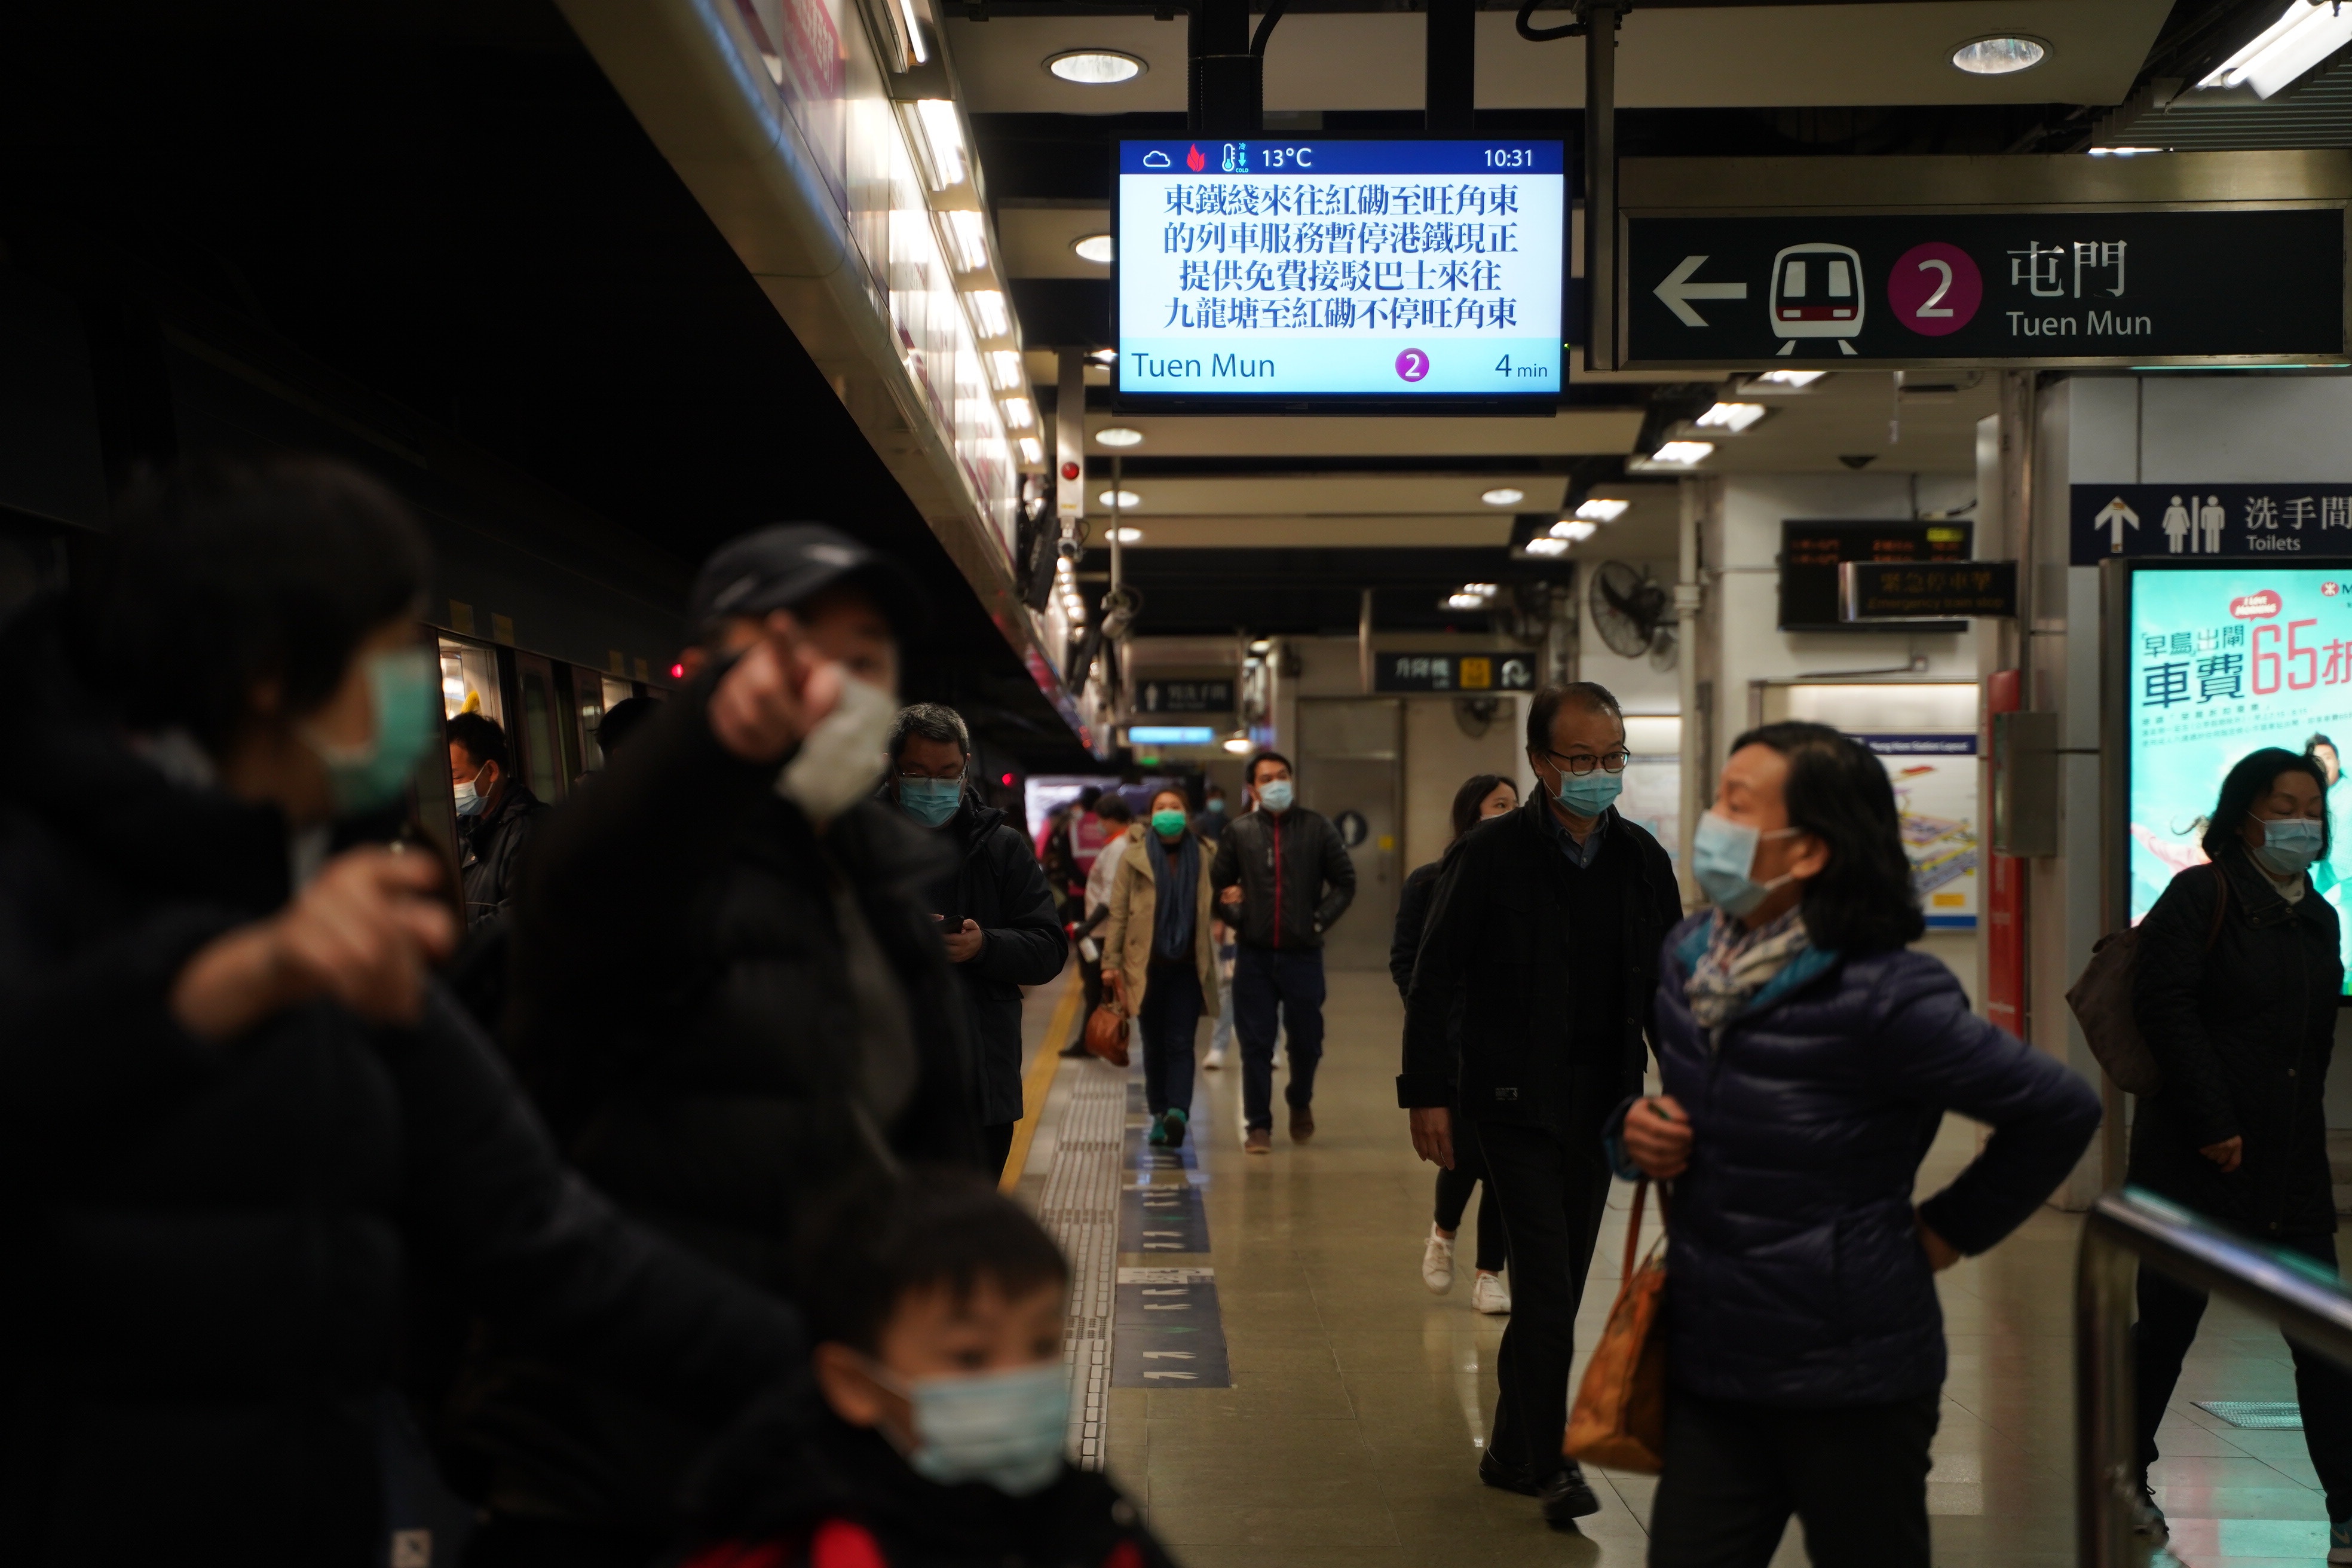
<point>1079,1208</point>
<point>2257,1414</point>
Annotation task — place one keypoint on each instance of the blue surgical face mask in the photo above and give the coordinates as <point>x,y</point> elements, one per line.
<point>471,800</point>
<point>1723,853</point>
<point>370,775</point>
<point>2289,846</point>
<point>1003,1429</point>
<point>1274,796</point>
<point>1217,804</point>
<point>1588,795</point>
<point>930,801</point>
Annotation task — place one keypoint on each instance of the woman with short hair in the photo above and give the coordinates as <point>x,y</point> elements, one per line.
<point>2235,989</point>
<point>242,1131</point>
<point>1809,1056</point>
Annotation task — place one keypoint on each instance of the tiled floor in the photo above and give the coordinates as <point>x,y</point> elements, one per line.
<point>1350,1435</point>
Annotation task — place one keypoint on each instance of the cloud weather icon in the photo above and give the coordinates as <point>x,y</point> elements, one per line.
<point>1156,159</point>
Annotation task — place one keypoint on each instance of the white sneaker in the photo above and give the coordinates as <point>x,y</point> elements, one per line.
<point>1216,1058</point>
<point>1437,1263</point>
<point>1490,1295</point>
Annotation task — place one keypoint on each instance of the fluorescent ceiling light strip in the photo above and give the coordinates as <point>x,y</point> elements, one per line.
<point>2286,51</point>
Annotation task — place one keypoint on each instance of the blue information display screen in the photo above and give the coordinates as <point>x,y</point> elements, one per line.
<point>1348,269</point>
<point>2223,660</point>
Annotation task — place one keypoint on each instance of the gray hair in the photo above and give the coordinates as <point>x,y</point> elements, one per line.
<point>933,721</point>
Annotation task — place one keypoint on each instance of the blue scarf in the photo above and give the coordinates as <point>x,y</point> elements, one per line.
<point>1172,927</point>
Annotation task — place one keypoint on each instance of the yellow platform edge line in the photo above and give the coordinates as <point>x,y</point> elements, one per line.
<point>1040,1079</point>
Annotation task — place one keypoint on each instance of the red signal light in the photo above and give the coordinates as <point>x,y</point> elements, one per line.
<point>1008,781</point>
<point>678,672</point>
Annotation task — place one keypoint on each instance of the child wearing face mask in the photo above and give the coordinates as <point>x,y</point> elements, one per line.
<point>930,1431</point>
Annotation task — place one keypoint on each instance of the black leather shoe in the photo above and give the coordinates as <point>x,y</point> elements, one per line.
<point>1503,1477</point>
<point>1566,1498</point>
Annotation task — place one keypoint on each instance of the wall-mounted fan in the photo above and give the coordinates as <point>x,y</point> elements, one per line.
<point>1632,613</point>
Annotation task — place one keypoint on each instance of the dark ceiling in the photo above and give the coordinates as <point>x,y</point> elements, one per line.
<point>448,204</point>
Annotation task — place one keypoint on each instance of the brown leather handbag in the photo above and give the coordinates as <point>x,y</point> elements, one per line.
<point>1106,1026</point>
<point>1620,1418</point>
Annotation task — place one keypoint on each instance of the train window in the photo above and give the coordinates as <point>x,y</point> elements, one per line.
<point>542,756</point>
<point>617,691</point>
<point>1793,282</point>
<point>1841,281</point>
<point>469,680</point>
<point>588,689</point>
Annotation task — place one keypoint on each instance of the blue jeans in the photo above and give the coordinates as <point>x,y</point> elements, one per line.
<point>1274,992</point>
<point>1172,1013</point>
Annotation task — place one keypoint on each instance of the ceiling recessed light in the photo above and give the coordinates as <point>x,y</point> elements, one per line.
<point>1121,500</point>
<point>1033,451</point>
<point>1791,377</point>
<point>1095,67</point>
<point>1732,416</point>
<point>2003,54</point>
<point>1105,356</point>
<point>1003,369</point>
<point>1545,544</point>
<point>1128,535</point>
<point>1238,742</point>
<point>1018,413</point>
<point>1576,532</point>
<point>990,313</point>
<point>2122,151</point>
<point>1119,436</point>
<point>1683,454</point>
<point>1465,602</point>
<point>1504,496</point>
<point>1094,248</point>
<point>1262,646</point>
<point>1601,508</point>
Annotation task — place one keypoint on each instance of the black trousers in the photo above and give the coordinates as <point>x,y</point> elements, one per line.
<point>996,1145</point>
<point>1856,1476</point>
<point>1552,1195</point>
<point>2168,1315</point>
<point>1453,1190</point>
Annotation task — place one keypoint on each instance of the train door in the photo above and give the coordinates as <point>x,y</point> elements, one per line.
<point>588,706</point>
<point>470,679</point>
<point>1349,755</point>
<point>537,739</point>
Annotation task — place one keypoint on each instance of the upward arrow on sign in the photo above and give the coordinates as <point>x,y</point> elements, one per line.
<point>1677,292</point>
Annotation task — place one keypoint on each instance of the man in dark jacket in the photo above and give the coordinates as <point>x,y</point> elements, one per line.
<point>995,914</point>
<point>497,814</point>
<point>728,994</point>
<point>1543,934</point>
<point>1282,877</point>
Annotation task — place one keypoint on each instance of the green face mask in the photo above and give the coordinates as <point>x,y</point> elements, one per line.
<point>1168,824</point>
<point>369,776</point>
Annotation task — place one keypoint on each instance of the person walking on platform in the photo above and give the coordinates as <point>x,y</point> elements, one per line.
<point>1210,824</point>
<point>1484,796</point>
<point>243,1130</point>
<point>2235,991</point>
<point>497,814</point>
<point>731,999</point>
<point>1110,810</point>
<point>1529,1002</point>
<point>996,913</point>
<point>1808,1055</point>
<point>1282,877</point>
<point>1156,947</point>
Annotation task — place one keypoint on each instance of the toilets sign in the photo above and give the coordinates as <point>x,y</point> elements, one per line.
<point>2184,522</point>
<point>2101,286</point>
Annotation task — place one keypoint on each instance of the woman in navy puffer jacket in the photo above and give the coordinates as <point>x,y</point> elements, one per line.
<point>1808,1058</point>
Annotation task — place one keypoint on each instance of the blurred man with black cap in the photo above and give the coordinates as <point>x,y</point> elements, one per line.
<point>730,1000</point>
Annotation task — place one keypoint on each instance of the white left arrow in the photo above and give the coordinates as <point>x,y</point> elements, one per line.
<point>1677,292</point>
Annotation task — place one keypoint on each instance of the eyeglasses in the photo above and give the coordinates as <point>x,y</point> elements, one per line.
<point>1612,762</point>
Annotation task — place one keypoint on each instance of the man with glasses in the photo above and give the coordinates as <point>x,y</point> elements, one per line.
<point>995,914</point>
<point>1542,939</point>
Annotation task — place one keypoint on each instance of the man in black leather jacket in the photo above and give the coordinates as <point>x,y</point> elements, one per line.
<point>995,914</point>
<point>729,997</point>
<point>497,814</point>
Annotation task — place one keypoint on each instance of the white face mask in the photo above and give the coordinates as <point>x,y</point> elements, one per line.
<point>839,762</point>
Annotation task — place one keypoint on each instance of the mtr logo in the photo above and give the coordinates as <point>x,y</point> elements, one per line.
<point>2255,606</point>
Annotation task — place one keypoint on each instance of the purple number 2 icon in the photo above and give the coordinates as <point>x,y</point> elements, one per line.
<point>1413,364</point>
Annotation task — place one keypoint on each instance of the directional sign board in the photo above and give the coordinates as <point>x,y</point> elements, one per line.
<point>1878,591</point>
<point>2095,286</point>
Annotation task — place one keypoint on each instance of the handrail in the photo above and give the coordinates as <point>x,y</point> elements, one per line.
<point>2300,1294</point>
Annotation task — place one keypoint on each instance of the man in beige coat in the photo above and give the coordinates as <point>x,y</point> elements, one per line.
<point>1157,946</point>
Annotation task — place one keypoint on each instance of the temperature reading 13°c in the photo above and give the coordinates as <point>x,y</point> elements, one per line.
<point>1288,157</point>
<point>1510,157</point>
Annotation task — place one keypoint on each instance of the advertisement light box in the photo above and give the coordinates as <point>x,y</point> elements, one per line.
<point>1408,272</point>
<point>2222,660</point>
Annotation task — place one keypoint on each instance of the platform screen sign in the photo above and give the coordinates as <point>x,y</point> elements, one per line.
<point>2222,660</point>
<point>1270,273</point>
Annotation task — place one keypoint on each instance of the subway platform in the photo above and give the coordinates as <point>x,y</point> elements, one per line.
<point>1260,1366</point>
